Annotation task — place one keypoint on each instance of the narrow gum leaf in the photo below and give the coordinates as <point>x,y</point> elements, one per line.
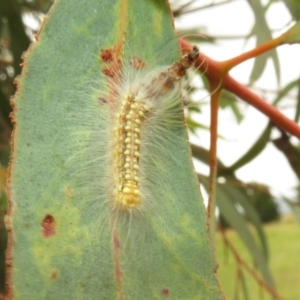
<point>263,33</point>
<point>228,208</point>
<point>292,36</point>
<point>61,243</point>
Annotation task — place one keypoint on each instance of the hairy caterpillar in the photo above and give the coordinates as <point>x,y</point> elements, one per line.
<point>136,102</point>
<point>122,133</point>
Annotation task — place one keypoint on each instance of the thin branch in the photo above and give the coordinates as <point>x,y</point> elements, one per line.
<point>215,102</point>
<point>267,46</point>
<point>215,70</point>
<point>251,271</point>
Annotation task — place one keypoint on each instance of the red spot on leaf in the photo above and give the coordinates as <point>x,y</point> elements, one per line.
<point>108,72</point>
<point>48,225</point>
<point>113,70</point>
<point>106,55</point>
<point>165,292</point>
<point>102,100</point>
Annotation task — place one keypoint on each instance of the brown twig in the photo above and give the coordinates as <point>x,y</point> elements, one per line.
<point>217,72</point>
<point>251,271</point>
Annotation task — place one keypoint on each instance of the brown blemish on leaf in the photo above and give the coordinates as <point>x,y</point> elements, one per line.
<point>165,292</point>
<point>113,69</point>
<point>8,263</point>
<point>48,225</point>
<point>53,275</point>
<point>12,115</point>
<point>102,100</point>
<point>137,63</point>
<point>106,55</point>
<point>108,72</point>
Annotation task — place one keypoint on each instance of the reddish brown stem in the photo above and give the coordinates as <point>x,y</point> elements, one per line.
<point>214,71</point>
<point>274,114</point>
<point>267,46</point>
<point>215,96</point>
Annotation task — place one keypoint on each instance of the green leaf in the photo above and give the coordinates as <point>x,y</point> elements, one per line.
<point>66,241</point>
<point>226,202</point>
<point>240,197</point>
<point>194,125</point>
<point>297,113</point>
<point>293,7</point>
<point>230,100</point>
<point>285,90</point>
<point>292,36</point>
<point>202,155</point>
<point>263,34</point>
<point>244,286</point>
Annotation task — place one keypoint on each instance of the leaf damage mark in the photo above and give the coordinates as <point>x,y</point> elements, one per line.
<point>102,100</point>
<point>112,69</point>
<point>8,263</point>
<point>165,292</point>
<point>137,63</point>
<point>113,65</point>
<point>109,72</point>
<point>106,55</point>
<point>53,275</point>
<point>48,225</point>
